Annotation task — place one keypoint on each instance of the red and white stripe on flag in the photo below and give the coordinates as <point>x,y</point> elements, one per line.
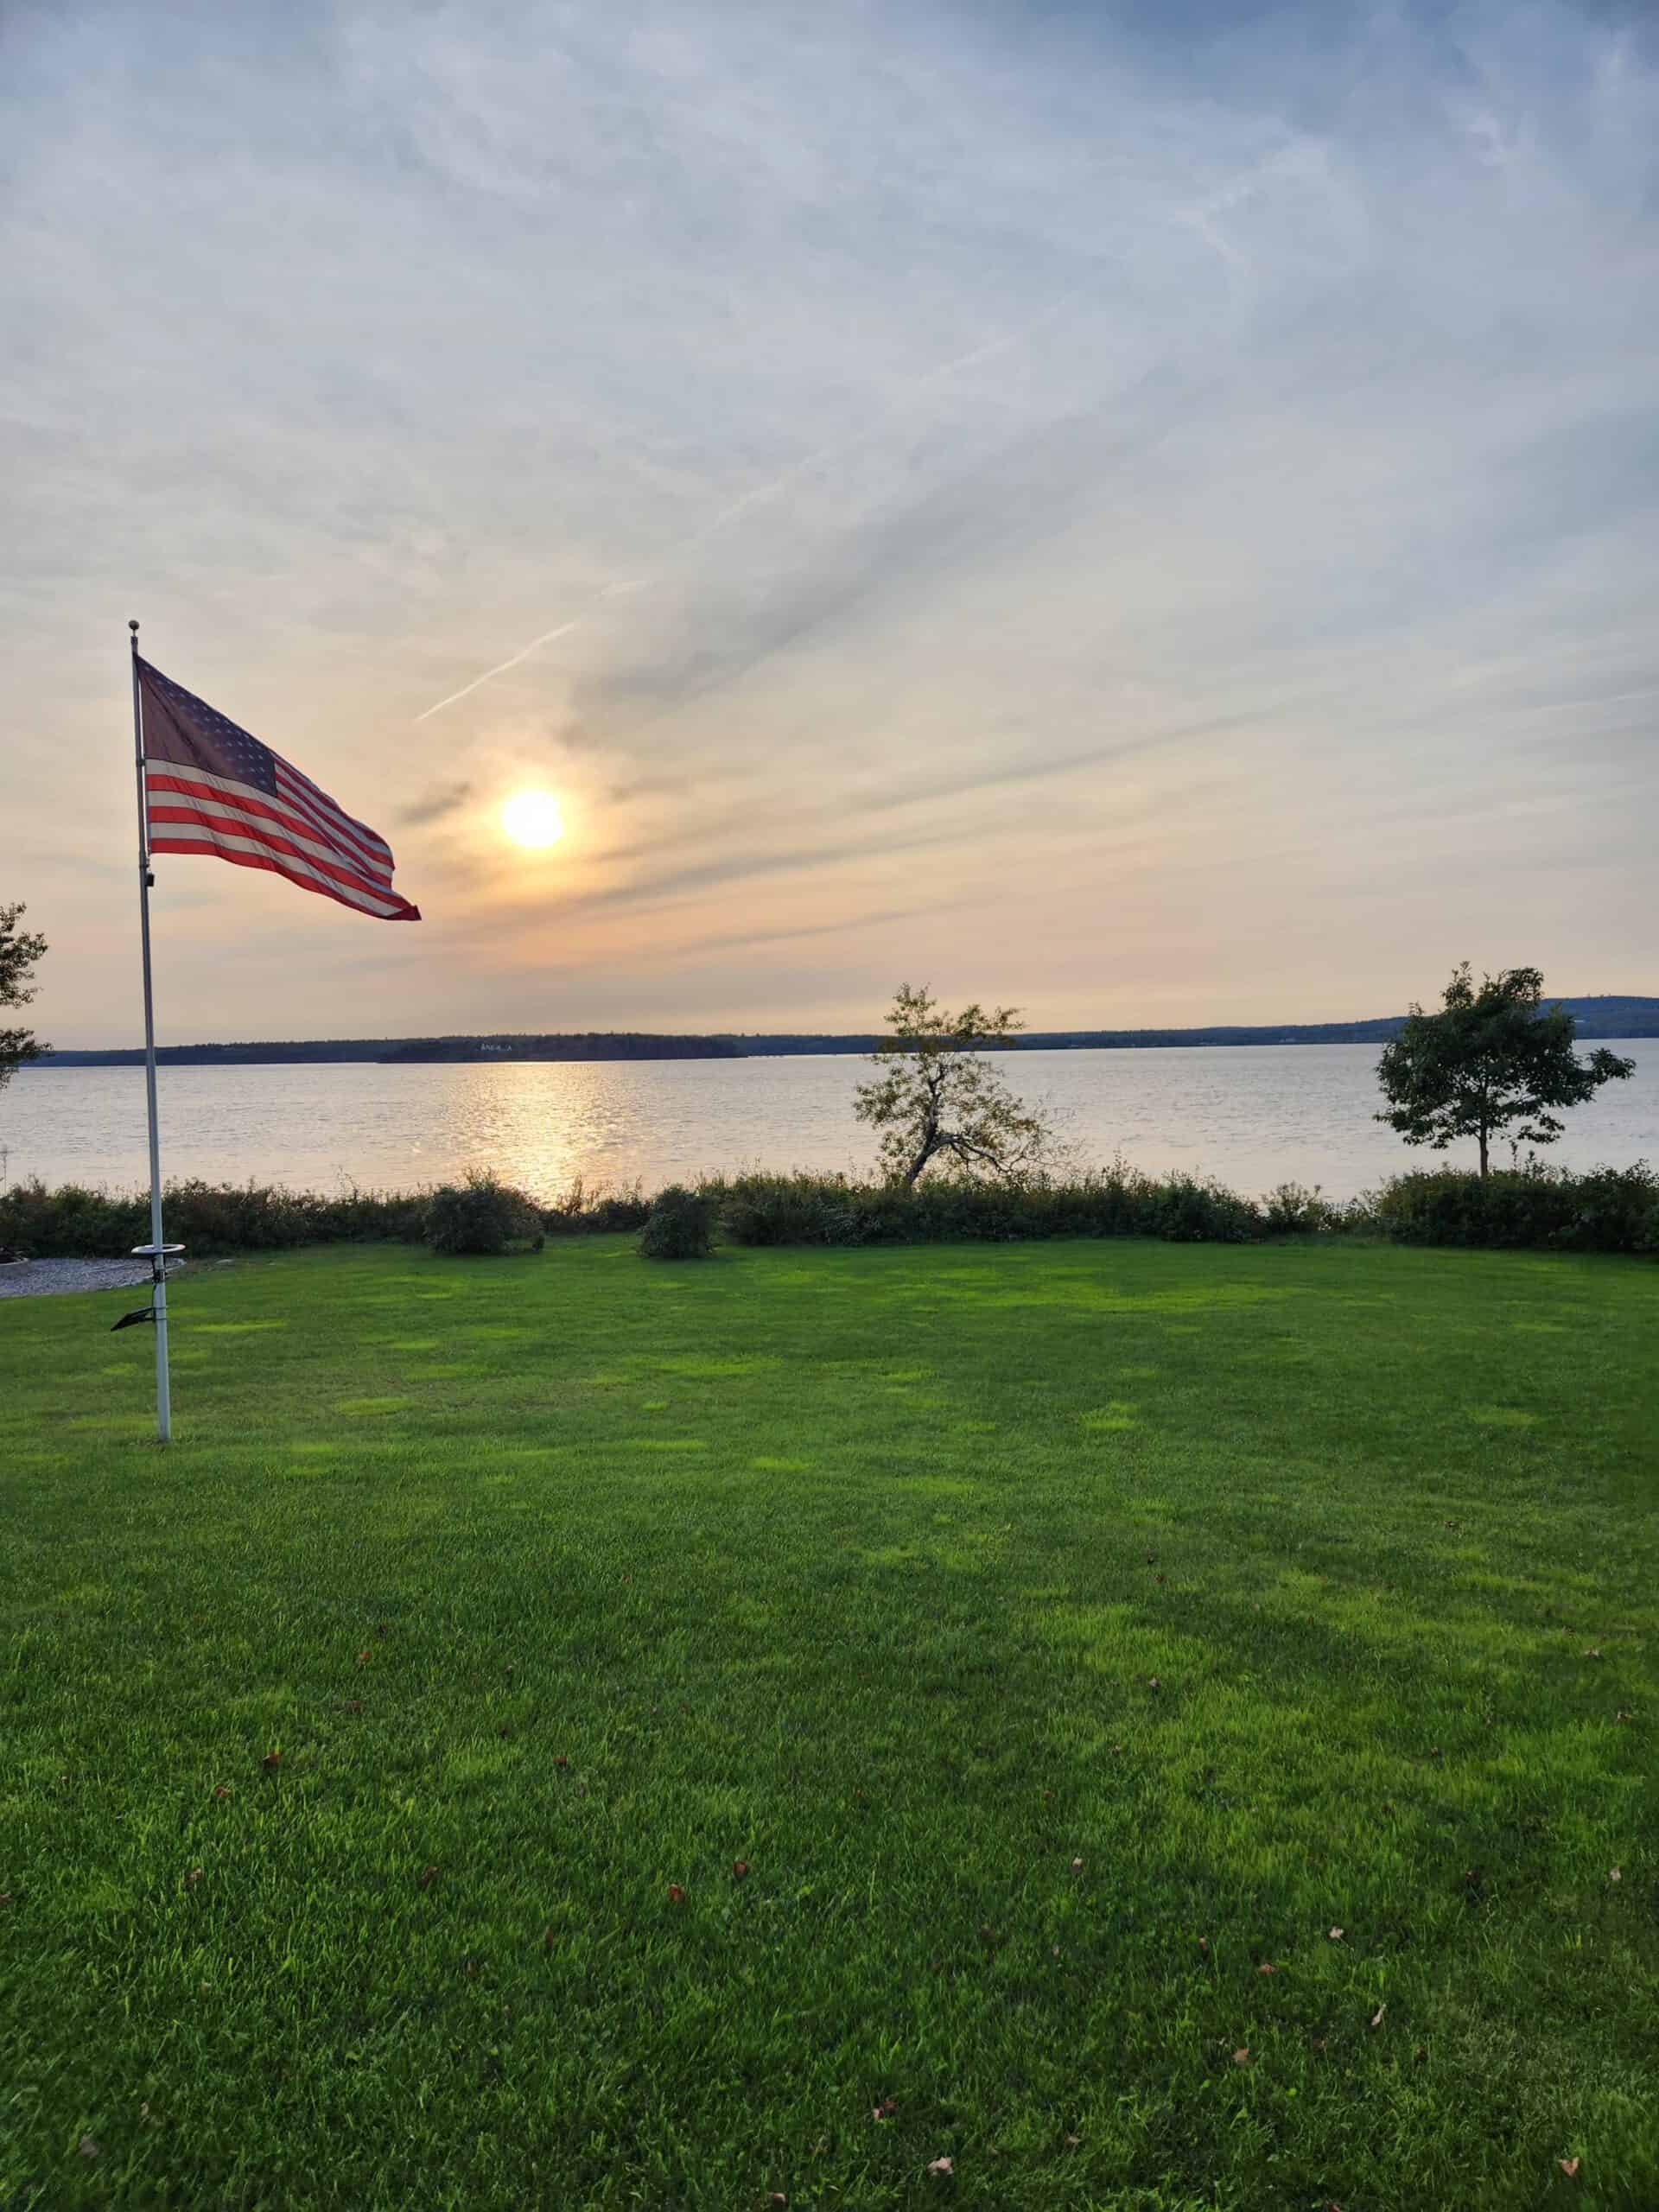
<point>211,788</point>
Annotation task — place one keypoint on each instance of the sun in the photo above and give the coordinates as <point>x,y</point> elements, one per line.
<point>533,819</point>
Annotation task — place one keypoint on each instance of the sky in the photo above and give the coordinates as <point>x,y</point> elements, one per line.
<point>1147,513</point>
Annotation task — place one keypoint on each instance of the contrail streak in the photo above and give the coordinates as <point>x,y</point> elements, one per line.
<point>560,630</point>
<point>761,492</point>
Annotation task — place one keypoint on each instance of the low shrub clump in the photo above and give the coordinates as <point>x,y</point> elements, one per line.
<point>1531,1208</point>
<point>680,1225</point>
<point>1292,1210</point>
<point>74,1222</point>
<point>1118,1202</point>
<point>581,1212</point>
<point>483,1215</point>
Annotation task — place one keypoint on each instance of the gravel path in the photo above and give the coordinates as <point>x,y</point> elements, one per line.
<point>37,1278</point>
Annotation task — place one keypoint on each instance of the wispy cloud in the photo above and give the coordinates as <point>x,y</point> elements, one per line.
<point>1127,497</point>
<point>436,805</point>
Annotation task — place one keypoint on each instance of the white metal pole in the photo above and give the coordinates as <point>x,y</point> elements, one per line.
<point>158,1258</point>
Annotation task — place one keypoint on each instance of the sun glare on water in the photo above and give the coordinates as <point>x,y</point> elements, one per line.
<point>533,819</point>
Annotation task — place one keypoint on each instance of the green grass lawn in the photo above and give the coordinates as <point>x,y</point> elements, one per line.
<point>1059,1637</point>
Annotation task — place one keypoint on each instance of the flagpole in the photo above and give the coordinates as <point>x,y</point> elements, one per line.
<point>156,1251</point>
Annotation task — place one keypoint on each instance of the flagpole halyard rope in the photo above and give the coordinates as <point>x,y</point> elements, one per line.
<point>156,1250</point>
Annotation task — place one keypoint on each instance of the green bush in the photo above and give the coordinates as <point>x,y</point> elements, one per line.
<point>1531,1208</point>
<point>482,1214</point>
<point>75,1223</point>
<point>680,1225</point>
<point>599,1213</point>
<point>1292,1210</point>
<point>760,1210</point>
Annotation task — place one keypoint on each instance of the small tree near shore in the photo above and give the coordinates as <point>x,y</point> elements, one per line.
<point>937,1099</point>
<point>1493,1055</point>
<point>19,950</point>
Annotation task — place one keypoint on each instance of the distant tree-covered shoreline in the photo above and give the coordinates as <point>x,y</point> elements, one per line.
<point>1596,1017</point>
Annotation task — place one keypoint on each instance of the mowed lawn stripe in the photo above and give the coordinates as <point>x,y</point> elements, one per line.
<point>1056,1637</point>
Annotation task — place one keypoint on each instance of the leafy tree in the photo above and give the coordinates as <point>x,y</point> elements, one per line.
<point>19,951</point>
<point>1492,1056</point>
<point>937,1097</point>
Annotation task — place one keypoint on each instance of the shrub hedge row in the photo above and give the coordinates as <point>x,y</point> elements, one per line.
<point>72,1222</point>
<point>1608,1210</point>
<point>1538,1208</point>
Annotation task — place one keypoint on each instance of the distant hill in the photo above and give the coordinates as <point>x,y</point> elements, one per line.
<point>1598,1017</point>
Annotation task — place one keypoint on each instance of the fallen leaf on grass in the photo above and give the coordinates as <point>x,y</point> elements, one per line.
<point>739,1868</point>
<point>1613,1874</point>
<point>1204,1943</point>
<point>1241,2056</point>
<point>1594,1652</point>
<point>676,1894</point>
<point>1569,2167</point>
<point>193,1878</point>
<point>362,1658</point>
<point>1376,2016</point>
<point>219,1790</point>
<point>428,1875</point>
<point>271,1761</point>
<point>89,2148</point>
<point>548,1939</point>
<point>1153,1683</point>
<point>1336,1934</point>
<point>884,2110</point>
<point>940,2166</point>
<point>1624,1716</point>
<point>1267,1967</point>
<point>1074,2142</point>
<point>1076,1865</point>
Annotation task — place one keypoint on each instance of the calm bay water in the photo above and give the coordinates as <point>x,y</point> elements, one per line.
<point>1252,1116</point>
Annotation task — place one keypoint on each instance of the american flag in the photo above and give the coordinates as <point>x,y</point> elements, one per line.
<point>211,788</point>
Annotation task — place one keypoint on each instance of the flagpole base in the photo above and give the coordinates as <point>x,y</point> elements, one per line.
<point>158,1255</point>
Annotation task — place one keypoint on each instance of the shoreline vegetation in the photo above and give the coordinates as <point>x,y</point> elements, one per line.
<point>1600,1017</point>
<point>1533,1207</point>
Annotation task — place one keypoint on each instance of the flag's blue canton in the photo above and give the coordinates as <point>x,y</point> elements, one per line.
<point>220,747</point>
